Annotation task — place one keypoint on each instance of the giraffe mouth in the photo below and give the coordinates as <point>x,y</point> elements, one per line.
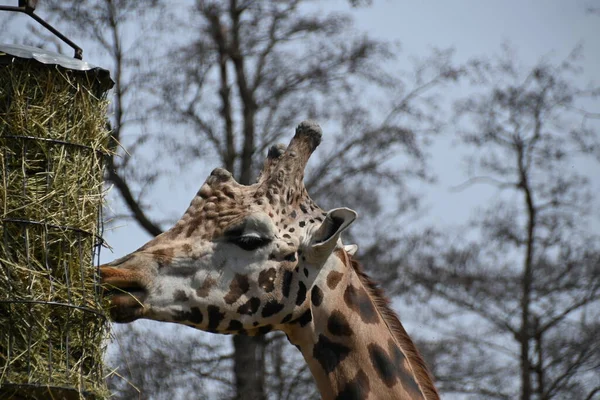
<point>125,292</point>
<point>127,304</point>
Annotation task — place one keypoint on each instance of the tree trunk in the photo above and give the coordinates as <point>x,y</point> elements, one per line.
<point>525,332</point>
<point>249,363</point>
<point>249,367</point>
<point>539,368</point>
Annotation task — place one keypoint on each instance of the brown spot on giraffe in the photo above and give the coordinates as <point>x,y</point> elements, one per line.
<point>400,362</point>
<point>266,279</point>
<point>236,326</point>
<point>215,316</point>
<point>316,296</point>
<point>304,319</point>
<point>356,389</point>
<point>338,325</point>
<point>238,286</point>
<point>250,307</point>
<point>203,290</point>
<point>301,294</point>
<point>333,278</point>
<point>194,315</point>
<point>329,353</point>
<point>271,308</point>
<point>383,364</point>
<point>358,300</point>
<point>286,283</point>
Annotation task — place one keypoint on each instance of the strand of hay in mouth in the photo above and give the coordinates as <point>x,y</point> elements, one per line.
<point>52,319</point>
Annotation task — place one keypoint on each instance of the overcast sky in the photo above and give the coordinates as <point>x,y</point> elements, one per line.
<point>535,28</point>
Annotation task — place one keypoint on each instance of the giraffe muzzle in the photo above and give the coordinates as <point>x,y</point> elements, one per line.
<point>126,293</point>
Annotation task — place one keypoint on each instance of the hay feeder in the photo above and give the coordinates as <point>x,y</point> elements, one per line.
<point>53,137</point>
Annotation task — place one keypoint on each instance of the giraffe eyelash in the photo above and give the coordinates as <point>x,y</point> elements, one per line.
<point>249,242</point>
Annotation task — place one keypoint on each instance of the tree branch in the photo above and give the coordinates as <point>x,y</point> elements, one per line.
<point>138,213</point>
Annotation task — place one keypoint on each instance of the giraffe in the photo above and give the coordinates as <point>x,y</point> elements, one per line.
<point>251,259</point>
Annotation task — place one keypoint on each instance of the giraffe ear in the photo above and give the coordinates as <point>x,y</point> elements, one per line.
<point>326,237</point>
<point>351,249</point>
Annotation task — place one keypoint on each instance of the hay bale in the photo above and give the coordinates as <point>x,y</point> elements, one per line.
<point>52,319</point>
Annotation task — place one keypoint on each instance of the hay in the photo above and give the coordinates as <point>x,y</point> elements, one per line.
<point>52,318</point>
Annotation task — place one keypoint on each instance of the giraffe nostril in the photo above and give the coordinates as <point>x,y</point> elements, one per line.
<point>290,257</point>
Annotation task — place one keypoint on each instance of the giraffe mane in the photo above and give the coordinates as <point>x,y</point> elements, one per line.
<point>423,376</point>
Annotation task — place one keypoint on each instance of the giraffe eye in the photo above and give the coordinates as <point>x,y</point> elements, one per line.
<point>249,242</point>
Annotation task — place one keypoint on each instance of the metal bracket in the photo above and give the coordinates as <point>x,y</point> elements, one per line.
<point>28,7</point>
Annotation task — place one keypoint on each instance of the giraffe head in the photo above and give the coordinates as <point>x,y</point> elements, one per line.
<point>242,258</point>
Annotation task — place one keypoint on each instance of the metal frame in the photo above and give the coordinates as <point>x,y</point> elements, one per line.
<point>28,7</point>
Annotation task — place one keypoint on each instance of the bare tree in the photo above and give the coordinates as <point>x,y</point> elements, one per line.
<point>141,366</point>
<point>221,81</point>
<point>520,303</point>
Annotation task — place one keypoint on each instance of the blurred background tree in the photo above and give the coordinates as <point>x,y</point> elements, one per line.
<point>516,294</point>
<point>513,296</point>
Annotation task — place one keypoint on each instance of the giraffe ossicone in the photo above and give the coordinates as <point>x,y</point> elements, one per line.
<point>251,259</point>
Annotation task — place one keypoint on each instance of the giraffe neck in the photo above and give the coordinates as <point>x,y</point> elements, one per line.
<point>349,345</point>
